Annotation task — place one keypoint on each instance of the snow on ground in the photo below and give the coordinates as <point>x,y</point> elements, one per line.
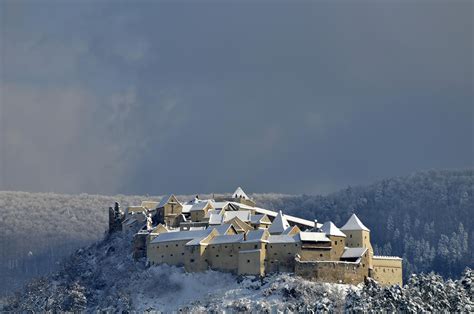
<point>168,288</point>
<point>104,277</point>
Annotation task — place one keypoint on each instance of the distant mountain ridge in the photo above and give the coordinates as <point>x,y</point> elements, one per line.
<point>426,217</point>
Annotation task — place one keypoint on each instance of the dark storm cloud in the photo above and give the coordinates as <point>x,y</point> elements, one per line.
<point>157,97</point>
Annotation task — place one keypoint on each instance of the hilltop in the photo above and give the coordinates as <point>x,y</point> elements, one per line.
<point>426,218</point>
<point>104,276</point>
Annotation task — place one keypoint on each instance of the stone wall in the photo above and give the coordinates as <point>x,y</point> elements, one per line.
<point>387,270</point>
<point>281,257</point>
<point>332,271</point>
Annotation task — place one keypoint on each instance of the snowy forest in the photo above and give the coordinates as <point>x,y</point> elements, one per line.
<point>426,218</point>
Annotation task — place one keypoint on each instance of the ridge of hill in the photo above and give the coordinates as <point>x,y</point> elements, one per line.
<point>105,277</point>
<point>426,218</point>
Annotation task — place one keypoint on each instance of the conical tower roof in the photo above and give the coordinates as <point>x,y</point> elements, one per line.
<point>354,223</point>
<point>240,193</point>
<point>279,224</point>
<point>330,229</point>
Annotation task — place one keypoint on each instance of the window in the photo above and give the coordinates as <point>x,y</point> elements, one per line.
<point>171,254</point>
<point>225,246</point>
<point>320,255</point>
<point>256,246</point>
<point>192,260</point>
<point>162,256</point>
<point>176,244</point>
<point>182,253</point>
<point>351,236</point>
<point>166,245</point>
<point>217,255</point>
<point>248,261</point>
<point>296,244</point>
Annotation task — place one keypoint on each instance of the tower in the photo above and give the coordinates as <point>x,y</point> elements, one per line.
<point>357,235</point>
<point>337,237</point>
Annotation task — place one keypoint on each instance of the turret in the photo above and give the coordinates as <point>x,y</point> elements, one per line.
<point>357,234</point>
<point>115,218</point>
<point>279,224</point>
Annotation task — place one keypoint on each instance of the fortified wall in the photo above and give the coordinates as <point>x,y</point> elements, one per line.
<point>232,234</point>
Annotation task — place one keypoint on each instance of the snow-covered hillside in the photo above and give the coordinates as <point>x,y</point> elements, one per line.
<point>104,276</point>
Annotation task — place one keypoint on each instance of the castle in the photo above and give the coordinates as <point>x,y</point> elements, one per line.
<point>232,234</point>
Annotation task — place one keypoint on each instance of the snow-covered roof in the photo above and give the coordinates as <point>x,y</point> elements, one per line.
<point>165,200</point>
<point>240,193</point>
<point>281,238</point>
<point>186,208</point>
<point>198,240</point>
<point>222,229</point>
<point>387,257</point>
<point>256,235</point>
<point>271,213</point>
<point>288,230</point>
<point>199,205</point>
<point>312,236</point>
<point>354,252</point>
<point>212,211</point>
<point>331,230</point>
<point>279,224</point>
<point>215,219</point>
<point>243,215</point>
<point>256,219</point>
<point>180,235</point>
<point>354,223</point>
<point>196,228</point>
<point>219,205</point>
<point>232,238</point>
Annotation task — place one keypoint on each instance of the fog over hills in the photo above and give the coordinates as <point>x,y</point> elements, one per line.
<point>426,218</point>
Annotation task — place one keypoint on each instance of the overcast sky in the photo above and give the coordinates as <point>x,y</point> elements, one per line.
<point>152,97</point>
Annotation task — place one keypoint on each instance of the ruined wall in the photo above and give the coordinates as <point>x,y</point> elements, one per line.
<point>387,270</point>
<point>139,245</point>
